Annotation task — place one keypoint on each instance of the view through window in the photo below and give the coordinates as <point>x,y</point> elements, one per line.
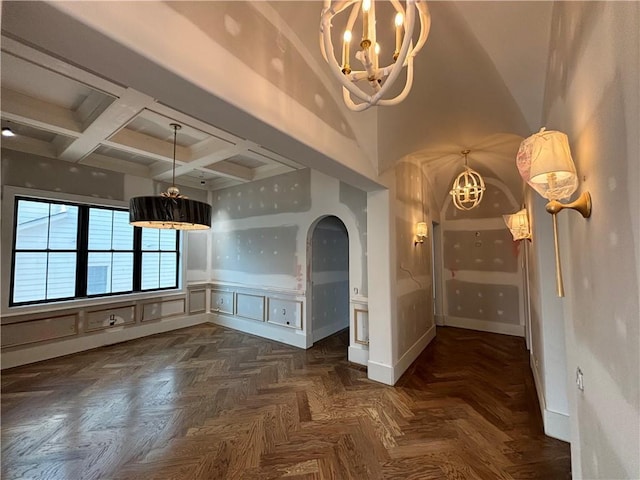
<point>63,251</point>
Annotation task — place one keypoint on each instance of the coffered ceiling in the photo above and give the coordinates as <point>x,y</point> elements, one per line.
<point>63,112</point>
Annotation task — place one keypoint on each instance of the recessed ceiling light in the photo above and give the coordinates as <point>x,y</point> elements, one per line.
<point>7,132</point>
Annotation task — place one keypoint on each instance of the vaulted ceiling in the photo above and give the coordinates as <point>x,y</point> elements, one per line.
<point>90,83</point>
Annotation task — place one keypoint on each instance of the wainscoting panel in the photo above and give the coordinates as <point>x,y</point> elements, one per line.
<point>110,317</point>
<point>287,313</point>
<point>161,309</point>
<point>222,302</point>
<point>250,306</point>
<point>40,330</point>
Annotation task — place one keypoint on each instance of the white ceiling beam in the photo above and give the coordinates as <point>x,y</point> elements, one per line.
<point>138,143</point>
<point>36,113</point>
<point>115,117</point>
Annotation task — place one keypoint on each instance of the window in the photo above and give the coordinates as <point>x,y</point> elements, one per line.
<point>63,251</point>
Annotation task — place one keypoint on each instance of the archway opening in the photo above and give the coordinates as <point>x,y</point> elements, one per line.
<point>329,278</point>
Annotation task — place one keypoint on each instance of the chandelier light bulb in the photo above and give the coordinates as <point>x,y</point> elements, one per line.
<point>371,85</point>
<point>468,187</point>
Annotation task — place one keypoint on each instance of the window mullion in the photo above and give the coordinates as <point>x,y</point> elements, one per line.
<point>82,258</point>
<point>137,259</point>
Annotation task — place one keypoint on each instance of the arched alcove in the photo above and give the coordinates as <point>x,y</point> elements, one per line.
<point>328,294</point>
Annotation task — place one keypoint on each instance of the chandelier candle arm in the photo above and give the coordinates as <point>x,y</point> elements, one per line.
<point>379,79</point>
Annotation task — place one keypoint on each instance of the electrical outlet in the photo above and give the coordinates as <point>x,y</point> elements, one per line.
<point>579,379</point>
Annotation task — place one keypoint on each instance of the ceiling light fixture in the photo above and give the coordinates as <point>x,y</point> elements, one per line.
<point>468,187</point>
<point>170,210</point>
<point>7,132</point>
<point>380,79</point>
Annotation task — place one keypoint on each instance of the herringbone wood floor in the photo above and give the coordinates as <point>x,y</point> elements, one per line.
<point>211,403</point>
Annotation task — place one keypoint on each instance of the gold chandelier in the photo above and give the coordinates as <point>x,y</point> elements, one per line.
<point>378,78</point>
<point>468,187</point>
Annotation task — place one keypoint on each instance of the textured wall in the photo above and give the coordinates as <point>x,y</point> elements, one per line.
<point>491,303</point>
<point>289,192</point>
<point>414,309</point>
<point>482,265</point>
<point>356,200</point>
<point>599,110</point>
<point>39,173</point>
<point>269,250</point>
<point>486,250</point>
<point>330,277</point>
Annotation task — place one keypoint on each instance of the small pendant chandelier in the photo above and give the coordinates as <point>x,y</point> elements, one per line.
<point>170,210</point>
<point>379,77</point>
<point>468,187</point>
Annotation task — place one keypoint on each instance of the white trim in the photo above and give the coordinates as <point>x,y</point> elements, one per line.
<point>380,372</point>
<point>410,355</point>
<point>358,354</point>
<point>90,341</point>
<point>269,331</point>
<point>390,375</point>
<point>484,326</point>
<point>244,288</point>
<point>556,425</point>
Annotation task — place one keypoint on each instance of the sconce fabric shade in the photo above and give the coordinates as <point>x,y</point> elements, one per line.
<point>421,229</point>
<point>169,213</point>
<point>544,162</point>
<point>518,224</point>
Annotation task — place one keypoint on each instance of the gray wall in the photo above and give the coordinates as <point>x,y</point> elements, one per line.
<point>329,278</point>
<point>414,301</point>
<point>482,265</point>
<point>592,94</point>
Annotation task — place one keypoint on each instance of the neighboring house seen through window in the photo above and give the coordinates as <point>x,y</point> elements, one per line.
<point>63,251</point>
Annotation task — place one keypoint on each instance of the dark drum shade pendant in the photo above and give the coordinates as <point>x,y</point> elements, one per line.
<point>170,210</point>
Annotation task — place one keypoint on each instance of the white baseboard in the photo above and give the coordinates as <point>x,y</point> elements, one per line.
<point>324,332</point>
<point>484,326</point>
<point>38,353</point>
<point>439,319</point>
<point>410,355</point>
<point>270,331</point>
<point>556,425</point>
<point>380,372</point>
<point>359,354</point>
<point>390,375</point>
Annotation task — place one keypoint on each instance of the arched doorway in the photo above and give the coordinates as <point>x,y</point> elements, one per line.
<point>328,278</point>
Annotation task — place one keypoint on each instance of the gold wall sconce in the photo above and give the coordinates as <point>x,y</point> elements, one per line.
<point>544,162</point>
<point>421,233</point>
<point>518,225</point>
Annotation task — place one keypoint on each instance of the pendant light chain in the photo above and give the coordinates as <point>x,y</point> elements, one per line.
<point>176,127</point>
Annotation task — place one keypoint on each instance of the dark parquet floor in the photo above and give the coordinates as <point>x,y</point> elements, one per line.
<point>210,403</point>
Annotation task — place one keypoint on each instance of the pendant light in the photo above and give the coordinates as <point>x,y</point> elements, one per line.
<point>468,187</point>
<point>170,210</point>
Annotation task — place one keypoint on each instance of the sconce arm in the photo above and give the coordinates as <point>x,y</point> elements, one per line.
<point>582,205</point>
